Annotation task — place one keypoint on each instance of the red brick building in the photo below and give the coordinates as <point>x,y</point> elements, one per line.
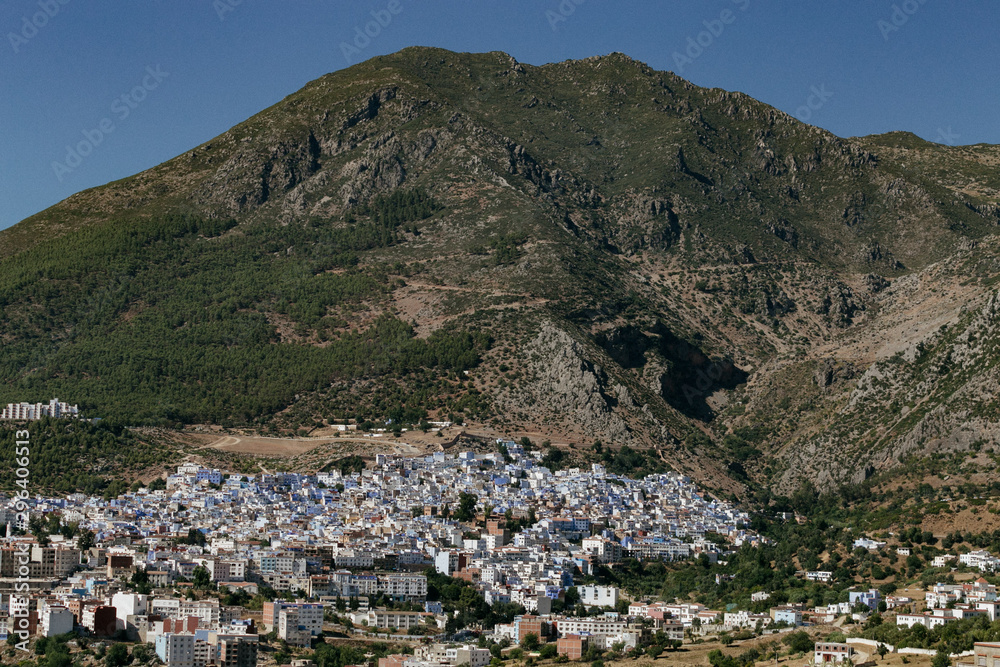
<point>572,646</point>
<point>528,624</point>
<point>101,620</point>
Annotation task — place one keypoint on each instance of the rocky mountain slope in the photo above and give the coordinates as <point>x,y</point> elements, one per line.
<point>588,250</point>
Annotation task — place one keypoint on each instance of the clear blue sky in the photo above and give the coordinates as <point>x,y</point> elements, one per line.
<point>930,67</point>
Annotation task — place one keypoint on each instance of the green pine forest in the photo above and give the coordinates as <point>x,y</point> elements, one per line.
<point>176,320</point>
<point>79,456</point>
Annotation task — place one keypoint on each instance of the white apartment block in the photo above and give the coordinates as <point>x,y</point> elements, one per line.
<point>403,586</point>
<point>662,550</point>
<point>598,627</point>
<point>352,558</point>
<point>56,620</point>
<point>309,615</point>
<point>128,604</point>
<point>225,570</point>
<point>176,649</point>
<point>927,619</point>
<point>444,655</point>
<point>980,559</point>
<point>397,620</point>
<point>33,411</point>
<point>292,628</point>
<point>207,611</point>
<point>744,619</point>
<point>598,596</point>
<point>607,551</point>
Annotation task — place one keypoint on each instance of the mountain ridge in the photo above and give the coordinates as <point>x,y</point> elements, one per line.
<point>636,259</point>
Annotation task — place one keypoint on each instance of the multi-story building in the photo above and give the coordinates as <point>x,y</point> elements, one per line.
<point>598,596</point>
<point>385,619</point>
<point>55,620</point>
<point>571,646</point>
<point>120,565</point>
<point>789,615</point>
<point>100,620</point>
<point>444,655</point>
<point>175,649</point>
<point>869,598</point>
<point>33,411</point>
<point>354,558</point>
<point>206,611</point>
<point>929,620</point>
<point>987,654</point>
<point>673,629</point>
<point>310,615</point>
<point>54,561</point>
<point>204,653</point>
<point>210,475</point>
<point>408,587</point>
<point>129,604</point>
<point>292,629</point>
<point>607,551</point>
<point>597,627</point>
<point>236,651</point>
<point>220,570</point>
<point>528,624</point>
<point>830,652</point>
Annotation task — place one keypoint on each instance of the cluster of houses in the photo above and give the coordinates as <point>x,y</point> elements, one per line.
<point>952,602</point>
<point>362,536</point>
<point>440,655</point>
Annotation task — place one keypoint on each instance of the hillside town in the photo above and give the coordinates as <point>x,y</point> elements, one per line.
<point>354,538</point>
<point>203,566</point>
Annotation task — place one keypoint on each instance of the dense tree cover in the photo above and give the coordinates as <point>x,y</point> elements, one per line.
<point>117,656</point>
<point>399,208</point>
<point>331,655</point>
<point>824,541</point>
<point>554,458</point>
<point>346,465</point>
<point>194,537</point>
<point>466,506</point>
<point>166,321</point>
<point>53,652</point>
<point>635,463</point>
<point>953,637</point>
<point>461,596</point>
<point>75,455</point>
<point>769,567</point>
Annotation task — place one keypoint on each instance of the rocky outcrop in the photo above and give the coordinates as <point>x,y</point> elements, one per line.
<point>565,383</point>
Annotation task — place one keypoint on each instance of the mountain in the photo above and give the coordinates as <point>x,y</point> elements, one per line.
<point>587,250</point>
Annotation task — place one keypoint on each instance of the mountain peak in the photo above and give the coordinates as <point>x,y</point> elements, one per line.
<point>589,249</point>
